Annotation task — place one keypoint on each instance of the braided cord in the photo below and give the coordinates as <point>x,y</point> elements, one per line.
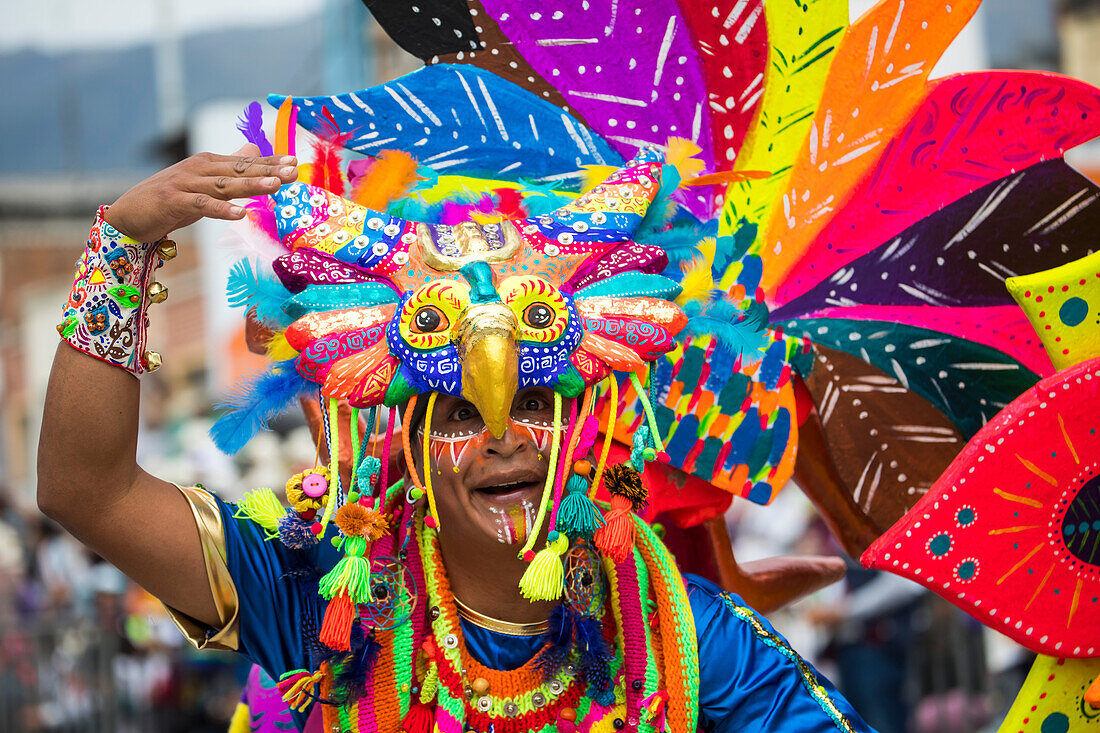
<point>551,473</point>
<point>385,457</point>
<point>354,425</point>
<point>427,463</point>
<point>572,436</point>
<point>332,436</point>
<point>406,428</point>
<point>680,649</point>
<point>648,411</point>
<point>608,431</point>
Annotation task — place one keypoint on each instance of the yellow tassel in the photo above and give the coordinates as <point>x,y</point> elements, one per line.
<point>279,349</point>
<point>263,508</point>
<point>680,153</point>
<point>697,282</point>
<point>545,577</point>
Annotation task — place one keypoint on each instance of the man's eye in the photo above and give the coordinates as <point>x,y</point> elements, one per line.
<point>532,404</point>
<point>463,413</point>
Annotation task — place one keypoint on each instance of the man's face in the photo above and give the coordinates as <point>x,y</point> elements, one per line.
<point>486,485</point>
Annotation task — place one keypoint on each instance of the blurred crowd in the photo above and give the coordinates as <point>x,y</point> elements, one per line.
<point>84,649</point>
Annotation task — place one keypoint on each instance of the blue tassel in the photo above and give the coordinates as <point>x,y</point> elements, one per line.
<point>259,400</point>
<point>246,288</point>
<point>577,515</point>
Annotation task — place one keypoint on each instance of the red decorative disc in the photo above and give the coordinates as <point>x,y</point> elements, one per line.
<point>1011,532</point>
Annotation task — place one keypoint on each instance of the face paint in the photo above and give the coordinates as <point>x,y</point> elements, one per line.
<point>512,522</point>
<point>539,433</point>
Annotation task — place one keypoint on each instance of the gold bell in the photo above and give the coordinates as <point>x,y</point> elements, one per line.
<point>158,293</point>
<point>167,250</point>
<point>61,327</point>
<point>152,361</point>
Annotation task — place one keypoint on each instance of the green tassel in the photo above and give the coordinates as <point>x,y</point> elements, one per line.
<point>544,578</point>
<point>262,507</point>
<point>351,575</point>
<point>577,515</point>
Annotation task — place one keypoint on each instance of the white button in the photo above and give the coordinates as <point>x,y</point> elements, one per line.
<point>287,211</point>
<point>380,248</point>
<point>361,241</point>
<point>551,250</point>
<point>391,230</point>
<point>340,237</point>
<point>408,237</point>
<point>401,258</point>
<point>565,238</point>
<point>294,190</point>
<point>531,229</point>
<point>304,222</point>
<point>355,217</point>
<point>374,223</point>
<point>317,199</point>
<point>324,229</point>
<point>580,226</point>
<point>599,217</point>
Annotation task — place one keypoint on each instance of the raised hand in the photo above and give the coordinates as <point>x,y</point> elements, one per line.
<point>203,185</point>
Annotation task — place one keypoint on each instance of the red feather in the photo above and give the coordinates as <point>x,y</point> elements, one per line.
<point>327,162</point>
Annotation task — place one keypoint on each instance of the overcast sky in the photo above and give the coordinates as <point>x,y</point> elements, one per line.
<point>86,24</point>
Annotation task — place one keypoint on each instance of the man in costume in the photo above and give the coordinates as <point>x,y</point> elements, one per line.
<point>422,605</point>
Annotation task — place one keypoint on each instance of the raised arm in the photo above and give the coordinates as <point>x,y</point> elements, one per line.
<point>88,477</point>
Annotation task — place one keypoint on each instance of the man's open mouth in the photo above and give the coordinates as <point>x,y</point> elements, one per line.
<point>508,493</point>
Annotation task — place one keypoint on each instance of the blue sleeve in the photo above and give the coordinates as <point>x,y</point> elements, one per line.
<point>751,679</point>
<point>278,605</point>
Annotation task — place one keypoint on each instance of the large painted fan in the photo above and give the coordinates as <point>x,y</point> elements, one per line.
<point>842,235</point>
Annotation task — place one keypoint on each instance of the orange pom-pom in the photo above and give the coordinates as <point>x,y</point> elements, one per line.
<point>336,626</point>
<point>615,539</point>
<point>582,468</point>
<point>355,520</point>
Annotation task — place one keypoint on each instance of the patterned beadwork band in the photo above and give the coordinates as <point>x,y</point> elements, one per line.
<point>106,313</point>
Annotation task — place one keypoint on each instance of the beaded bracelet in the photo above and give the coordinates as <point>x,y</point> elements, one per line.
<point>105,315</point>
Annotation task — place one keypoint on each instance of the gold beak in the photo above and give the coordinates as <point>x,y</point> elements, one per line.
<point>486,338</point>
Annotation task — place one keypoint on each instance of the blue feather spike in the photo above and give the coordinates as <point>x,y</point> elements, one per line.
<point>248,289</point>
<point>330,297</point>
<point>681,240</point>
<point>255,403</point>
<point>251,125</point>
<point>632,285</point>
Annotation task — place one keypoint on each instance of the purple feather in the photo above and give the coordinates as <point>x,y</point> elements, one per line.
<point>251,125</point>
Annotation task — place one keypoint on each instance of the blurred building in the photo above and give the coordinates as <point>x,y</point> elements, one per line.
<point>88,113</point>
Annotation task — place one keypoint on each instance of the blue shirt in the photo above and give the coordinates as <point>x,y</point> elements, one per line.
<point>749,677</point>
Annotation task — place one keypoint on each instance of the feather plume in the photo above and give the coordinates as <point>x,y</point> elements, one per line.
<point>349,682</point>
<point>559,634</point>
<point>386,179</point>
<point>326,171</point>
<point>251,125</point>
<point>697,282</point>
<point>594,175</point>
<point>247,288</point>
<point>680,241</point>
<point>261,214</point>
<point>286,123</point>
<point>257,401</point>
<point>680,153</point>
<point>279,349</point>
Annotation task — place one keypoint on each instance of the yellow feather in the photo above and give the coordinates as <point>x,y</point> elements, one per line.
<point>697,282</point>
<point>279,349</point>
<point>594,175</point>
<point>680,153</point>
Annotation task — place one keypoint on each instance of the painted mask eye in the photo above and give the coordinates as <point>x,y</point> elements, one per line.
<point>429,319</point>
<point>538,315</point>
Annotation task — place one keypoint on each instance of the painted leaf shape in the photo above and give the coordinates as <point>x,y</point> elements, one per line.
<point>966,381</point>
<point>875,83</point>
<point>971,130</point>
<point>461,119</point>
<point>1038,218</point>
<point>1053,697</point>
<point>801,47</point>
<point>1011,531</point>
<point>889,445</point>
